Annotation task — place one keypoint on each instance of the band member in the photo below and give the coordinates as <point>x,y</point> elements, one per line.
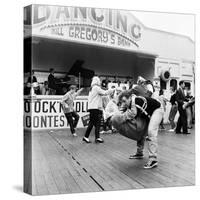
<point>95,107</point>
<point>52,82</point>
<point>173,110</point>
<point>68,108</point>
<point>181,99</point>
<point>154,111</point>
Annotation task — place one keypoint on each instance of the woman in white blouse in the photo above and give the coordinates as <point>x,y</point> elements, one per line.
<point>95,108</point>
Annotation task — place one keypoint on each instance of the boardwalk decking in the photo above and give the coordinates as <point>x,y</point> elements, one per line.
<point>64,164</point>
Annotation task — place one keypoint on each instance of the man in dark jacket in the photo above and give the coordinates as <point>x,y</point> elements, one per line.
<point>181,99</point>
<point>52,82</point>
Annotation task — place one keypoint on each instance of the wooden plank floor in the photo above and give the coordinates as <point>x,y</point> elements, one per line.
<point>64,164</point>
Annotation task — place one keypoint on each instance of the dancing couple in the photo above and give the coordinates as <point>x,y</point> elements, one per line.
<point>136,107</point>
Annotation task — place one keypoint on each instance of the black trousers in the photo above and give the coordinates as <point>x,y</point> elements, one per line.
<point>95,120</point>
<point>182,121</point>
<point>72,119</point>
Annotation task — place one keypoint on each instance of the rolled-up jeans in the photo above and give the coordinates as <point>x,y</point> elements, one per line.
<point>153,127</point>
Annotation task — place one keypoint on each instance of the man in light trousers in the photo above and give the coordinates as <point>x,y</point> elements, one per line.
<point>155,112</point>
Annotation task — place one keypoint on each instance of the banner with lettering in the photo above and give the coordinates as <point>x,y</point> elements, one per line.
<point>107,27</point>
<point>46,112</point>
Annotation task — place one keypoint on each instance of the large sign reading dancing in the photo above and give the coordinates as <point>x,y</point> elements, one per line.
<point>90,25</point>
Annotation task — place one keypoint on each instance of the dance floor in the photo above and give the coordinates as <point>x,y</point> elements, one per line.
<point>65,164</point>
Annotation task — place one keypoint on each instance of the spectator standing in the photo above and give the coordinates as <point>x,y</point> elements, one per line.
<point>124,88</point>
<point>29,86</point>
<point>163,102</point>
<point>150,88</point>
<point>189,109</point>
<point>45,89</point>
<point>173,110</point>
<point>32,78</point>
<point>182,120</point>
<point>35,88</point>
<point>105,82</point>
